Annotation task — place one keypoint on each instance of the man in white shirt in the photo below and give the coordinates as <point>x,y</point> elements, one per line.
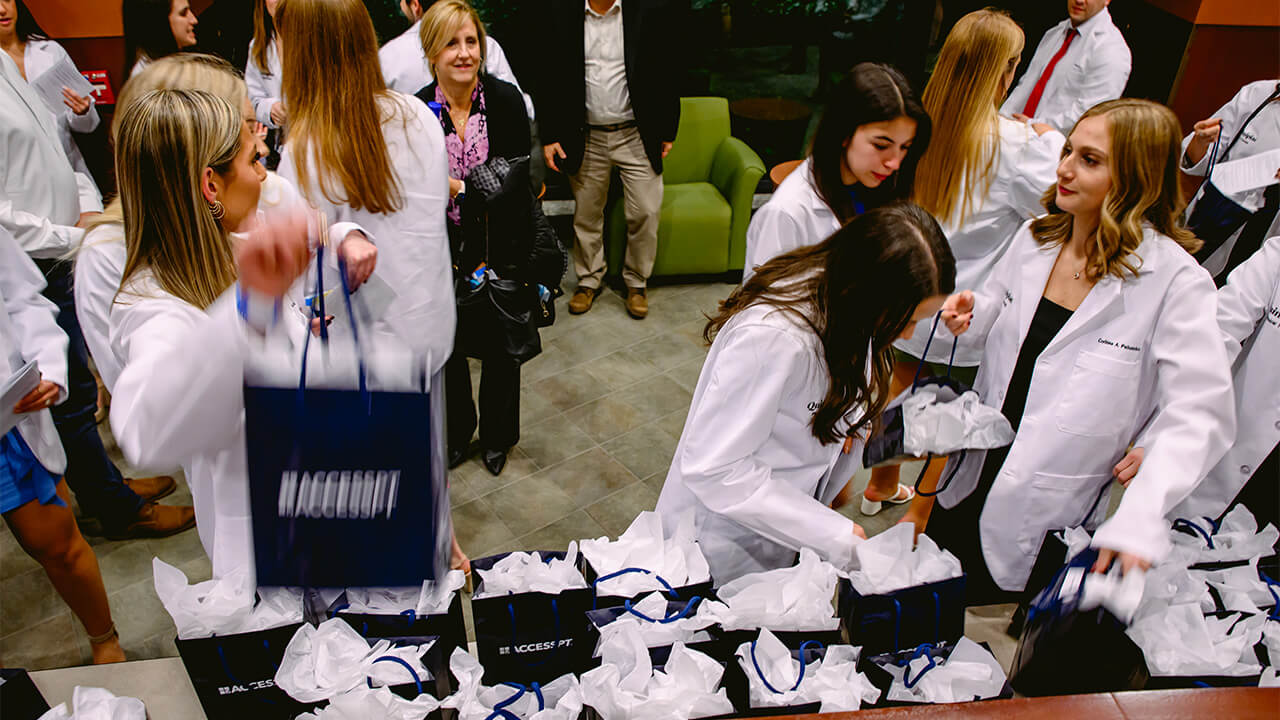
<point>44,204</point>
<point>1079,63</point>
<point>609,97</point>
<point>404,63</point>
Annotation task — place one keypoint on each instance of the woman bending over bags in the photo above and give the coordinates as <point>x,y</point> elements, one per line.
<point>798,368</point>
<point>1095,325</point>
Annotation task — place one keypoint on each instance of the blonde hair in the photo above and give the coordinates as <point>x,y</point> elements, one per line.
<point>962,98</point>
<point>264,33</point>
<point>441,22</point>
<point>184,71</point>
<point>1146,143</point>
<point>165,140</point>
<point>334,83</point>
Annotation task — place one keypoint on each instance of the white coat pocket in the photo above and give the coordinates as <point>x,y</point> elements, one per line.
<point>1054,502</point>
<point>1099,396</point>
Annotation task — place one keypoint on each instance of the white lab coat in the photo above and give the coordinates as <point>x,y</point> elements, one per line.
<point>1139,354</point>
<point>1094,69</point>
<point>413,242</point>
<point>42,196</point>
<point>1262,135</point>
<point>29,331</point>
<point>1249,315</point>
<point>747,463</point>
<point>405,68</point>
<point>1026,166</point>
<point>794,217</point>
<point>264,87</point>
<point>99,268</point>
<point>40,57</point>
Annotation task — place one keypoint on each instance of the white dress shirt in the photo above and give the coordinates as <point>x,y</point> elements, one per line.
<point>40,57</point>
<point>405,68</point>
<point>1094,69</point>
<point>42,197</point>
<point>264,87</point>
<point>608,98</point>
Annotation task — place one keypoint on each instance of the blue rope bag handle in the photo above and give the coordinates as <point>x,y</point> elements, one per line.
<point>897,621</point>
<point>679,615</point>
<point>555,611</point>
<point>1185,523</point>
<point>324,329</point>
<point>417,681</point>
<point>803,646</point>
<point>624,571</point>
<point>500,710</point>
<point>922,650</point>
<point>1272,586</point>
<point>915,383</point>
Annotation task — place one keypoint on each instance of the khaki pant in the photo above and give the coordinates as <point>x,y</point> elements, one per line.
<point>642,196</point>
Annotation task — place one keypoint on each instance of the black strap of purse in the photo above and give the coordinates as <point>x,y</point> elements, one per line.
<point>1230,146</point>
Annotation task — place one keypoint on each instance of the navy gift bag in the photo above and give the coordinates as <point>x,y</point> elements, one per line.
<point>903,619</point>
<point>234,676</point>
<point>347,476</point>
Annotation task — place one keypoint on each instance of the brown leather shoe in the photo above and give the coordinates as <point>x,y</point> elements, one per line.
<point>637,303</point>
<point>582,299</point>
<point>156,521</point>
<point>151,488</point>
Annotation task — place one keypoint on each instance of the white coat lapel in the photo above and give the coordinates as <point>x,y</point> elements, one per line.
<point>1031,282</point>
<point>24,92</point>
<point>1103,304</point>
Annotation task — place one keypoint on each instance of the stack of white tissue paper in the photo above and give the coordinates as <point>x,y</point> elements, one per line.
<point>561,699</point>
<point>522,572</point>
<point>797,598</point>
<point>935,421</point>
<point>91,703</point>
<point>225,605</point>
<point>832,680</point>
<point>887,562</point>
<point>431,599</point>
<point>1171,625</point>
<point>676,559</point>
<point>689,629</point>
<point>627,687</point>
<point>322,662</point>
<point>363,703</point>
<point>968,673</point>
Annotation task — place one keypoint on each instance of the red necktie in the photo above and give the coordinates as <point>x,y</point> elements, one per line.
<point>1034,99</point>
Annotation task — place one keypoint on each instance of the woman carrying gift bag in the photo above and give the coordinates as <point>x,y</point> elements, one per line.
<point>1096,325</point>
<point>798,368</point>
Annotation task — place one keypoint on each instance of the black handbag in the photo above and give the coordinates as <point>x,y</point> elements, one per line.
<point>1216,217</point>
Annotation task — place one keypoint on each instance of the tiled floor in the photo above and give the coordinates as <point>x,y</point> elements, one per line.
<point>601,411</point>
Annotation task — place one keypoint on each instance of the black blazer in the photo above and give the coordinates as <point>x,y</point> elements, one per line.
<point>649,28</point>
<point>505,114</point>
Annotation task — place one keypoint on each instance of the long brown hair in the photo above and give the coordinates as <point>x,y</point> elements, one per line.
<point>1146,144</point>
<point>857,290</point>
<point>334,85</point>
<point>962,99</point>
<point>163,144</point>
<point>264,33</point>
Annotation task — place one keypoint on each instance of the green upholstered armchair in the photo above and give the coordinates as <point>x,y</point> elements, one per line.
<point>708,179</point>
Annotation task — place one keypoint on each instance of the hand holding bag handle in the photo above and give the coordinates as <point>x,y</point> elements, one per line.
<point>915,383</point>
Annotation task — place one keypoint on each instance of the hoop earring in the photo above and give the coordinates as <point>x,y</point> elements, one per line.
<point>217,210</point>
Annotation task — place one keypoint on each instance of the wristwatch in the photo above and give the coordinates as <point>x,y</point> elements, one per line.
<point>461,193</point>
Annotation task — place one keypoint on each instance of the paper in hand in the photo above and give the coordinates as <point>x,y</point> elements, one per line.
<point>50,84</point>
<point>15,388</point>
<point>1237,176</point>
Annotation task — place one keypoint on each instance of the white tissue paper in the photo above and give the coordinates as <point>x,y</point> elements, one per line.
<point>363,703</point>
<point>225,605</point>
<point>935,421</point>
<point>92,703</point>
<point>656,634</point>
<point>321,662</point>
<point>1271,640</point>
<point>626,687</point>
<point>562,697</point>
<point>430,599</point>
<point>1171,584</point>
<point>969,672</point>
<point>676,558</point>
<point>1077,539</point>
<point>796,598</point>
<point>832,680</point>
<point>1239,587</point>
<point>1120,594</point>
<point>1268,678</point>
<point>887,562</point>
<point>522,572</point>
<point>1182,641</point>
<point>1238,538</point>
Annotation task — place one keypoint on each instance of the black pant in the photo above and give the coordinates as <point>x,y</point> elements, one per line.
<point>499,403</point>
<point>90,474</point>
<point>1262,493</point>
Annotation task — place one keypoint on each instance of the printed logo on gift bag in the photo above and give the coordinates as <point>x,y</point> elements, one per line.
<point>535,647</point>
